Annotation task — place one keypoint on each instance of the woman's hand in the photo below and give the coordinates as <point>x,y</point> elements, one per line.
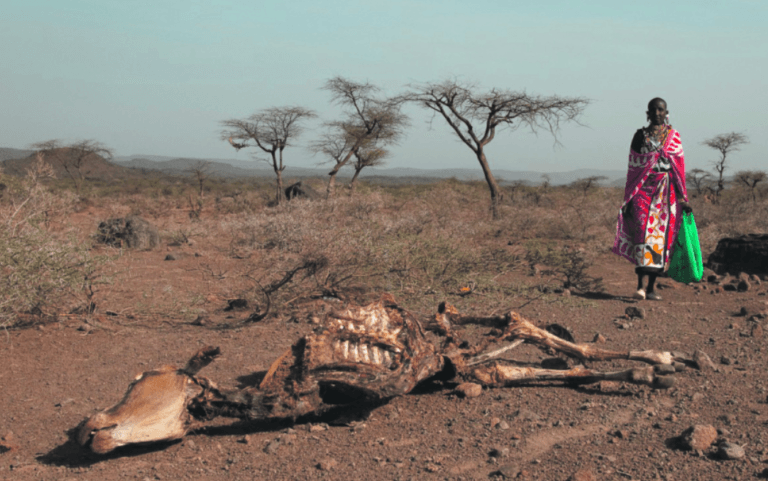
<point>686,207</point>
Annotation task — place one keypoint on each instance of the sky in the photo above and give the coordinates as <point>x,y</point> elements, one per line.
<point>159,77</point>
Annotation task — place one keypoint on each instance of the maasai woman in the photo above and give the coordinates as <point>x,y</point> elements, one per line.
<point>649,218</point>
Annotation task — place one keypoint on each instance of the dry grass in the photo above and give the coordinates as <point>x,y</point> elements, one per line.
<point>422,243</point>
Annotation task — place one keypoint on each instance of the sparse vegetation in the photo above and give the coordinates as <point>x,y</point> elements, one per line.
<point>39,267</point>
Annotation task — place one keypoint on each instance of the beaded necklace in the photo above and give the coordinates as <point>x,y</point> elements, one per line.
<point>658,138</point>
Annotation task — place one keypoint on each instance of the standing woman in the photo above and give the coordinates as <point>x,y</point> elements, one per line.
<point>649,218</point>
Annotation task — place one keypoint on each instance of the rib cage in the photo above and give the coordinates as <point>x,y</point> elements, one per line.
<point>366,335</point>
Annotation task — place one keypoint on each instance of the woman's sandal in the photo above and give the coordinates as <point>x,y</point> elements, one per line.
<point>653,296</point>
<point>640,294</point>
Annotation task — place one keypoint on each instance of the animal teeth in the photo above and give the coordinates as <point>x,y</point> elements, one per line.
<point>364,353</point>
<point>345,350</point>
<point>353,352</point>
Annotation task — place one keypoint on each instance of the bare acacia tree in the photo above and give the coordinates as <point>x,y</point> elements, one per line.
<point>698,177</point>
<point>271,130</point>
<point>367,157</point>
<point>476,116</point>
<point>725,144</point>
<point>200,171</point>
<point>587,183</point>
<point>750,179</point>
<point>369,121</point>
<point>74,157</point>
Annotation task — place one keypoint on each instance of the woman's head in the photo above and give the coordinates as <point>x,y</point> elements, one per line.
<point>657,111</point>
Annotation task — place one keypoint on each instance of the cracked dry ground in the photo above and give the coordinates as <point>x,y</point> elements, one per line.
<point>55,375</point>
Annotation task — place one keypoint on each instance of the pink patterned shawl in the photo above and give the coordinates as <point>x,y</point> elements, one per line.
<point>641,171</point>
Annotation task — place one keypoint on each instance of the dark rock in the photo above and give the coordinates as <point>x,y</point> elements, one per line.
<point>728,450</point>
<point>712,279</point>
<point>132,232</point>
<point>233,304</point>
<point>299,190</point>
<point>743,286</point>
<point>729,287</point>
<point>170,257</point>
<point>747,253</point>
<point>633,311</point>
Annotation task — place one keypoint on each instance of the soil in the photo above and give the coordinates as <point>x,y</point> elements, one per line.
<point>56,374</point>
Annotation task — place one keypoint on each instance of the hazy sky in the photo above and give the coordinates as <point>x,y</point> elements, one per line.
<point>158,77</point>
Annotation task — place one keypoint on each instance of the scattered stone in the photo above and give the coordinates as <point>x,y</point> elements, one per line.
<point>566,292</point>
<point>327,464</point>
<point>700,436</point>
<point>599,339</point>
<point>726,361</point>
<point>757,330</point>
<point>272,447</point>
<point>703,361</point>
<point>503,426</point>
<point>245,440</point>
<point>635,312</point>
<point>754,279</point>
<point>313,428</point>
<point>712,279</point>
<point>526,415</point>
<point>582,475</point>
<point>233,304</point>
<point>201,319</point>
<point>729,288</point>
<point>499,452</point>
<point>743,286</point>
<point>697,397</point>
<point>728,450</point>
<point>469,390</point>
<point>8,443</point>
<point>170,257</point>
<point>509,471</point>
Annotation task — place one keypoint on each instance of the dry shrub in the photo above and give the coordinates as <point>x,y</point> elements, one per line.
<point>38,268</point>
<point>370,243</point>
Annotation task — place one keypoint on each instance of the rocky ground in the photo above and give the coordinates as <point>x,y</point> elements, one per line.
<point>56,374</point>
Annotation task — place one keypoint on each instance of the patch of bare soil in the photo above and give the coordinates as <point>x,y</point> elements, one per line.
<point>57,374</point>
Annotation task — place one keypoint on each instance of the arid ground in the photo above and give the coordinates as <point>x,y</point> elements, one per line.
<point>65,359</point>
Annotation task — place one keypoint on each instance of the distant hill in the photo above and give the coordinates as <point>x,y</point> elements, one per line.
<point>14,161</point>
<point>234,169</point>
<point>93,167</point>
<point>8,153</point>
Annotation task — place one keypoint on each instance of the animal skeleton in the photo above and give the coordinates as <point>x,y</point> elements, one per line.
<point>361,355</point>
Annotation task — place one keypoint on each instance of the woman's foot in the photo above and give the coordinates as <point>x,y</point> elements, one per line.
<point>653,296</point>
<point>640,294</point>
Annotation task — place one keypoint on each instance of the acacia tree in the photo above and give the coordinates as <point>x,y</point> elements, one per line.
<point>74,157</point>
<point>725,144</point>
<point>697,177</point>
<point>366,157</point>
<point>587,183</point>
<point>476,116</point>
<point>369,121</point>
<point>271,130</point>
<point>201,171</point>
<point>750,179</point>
